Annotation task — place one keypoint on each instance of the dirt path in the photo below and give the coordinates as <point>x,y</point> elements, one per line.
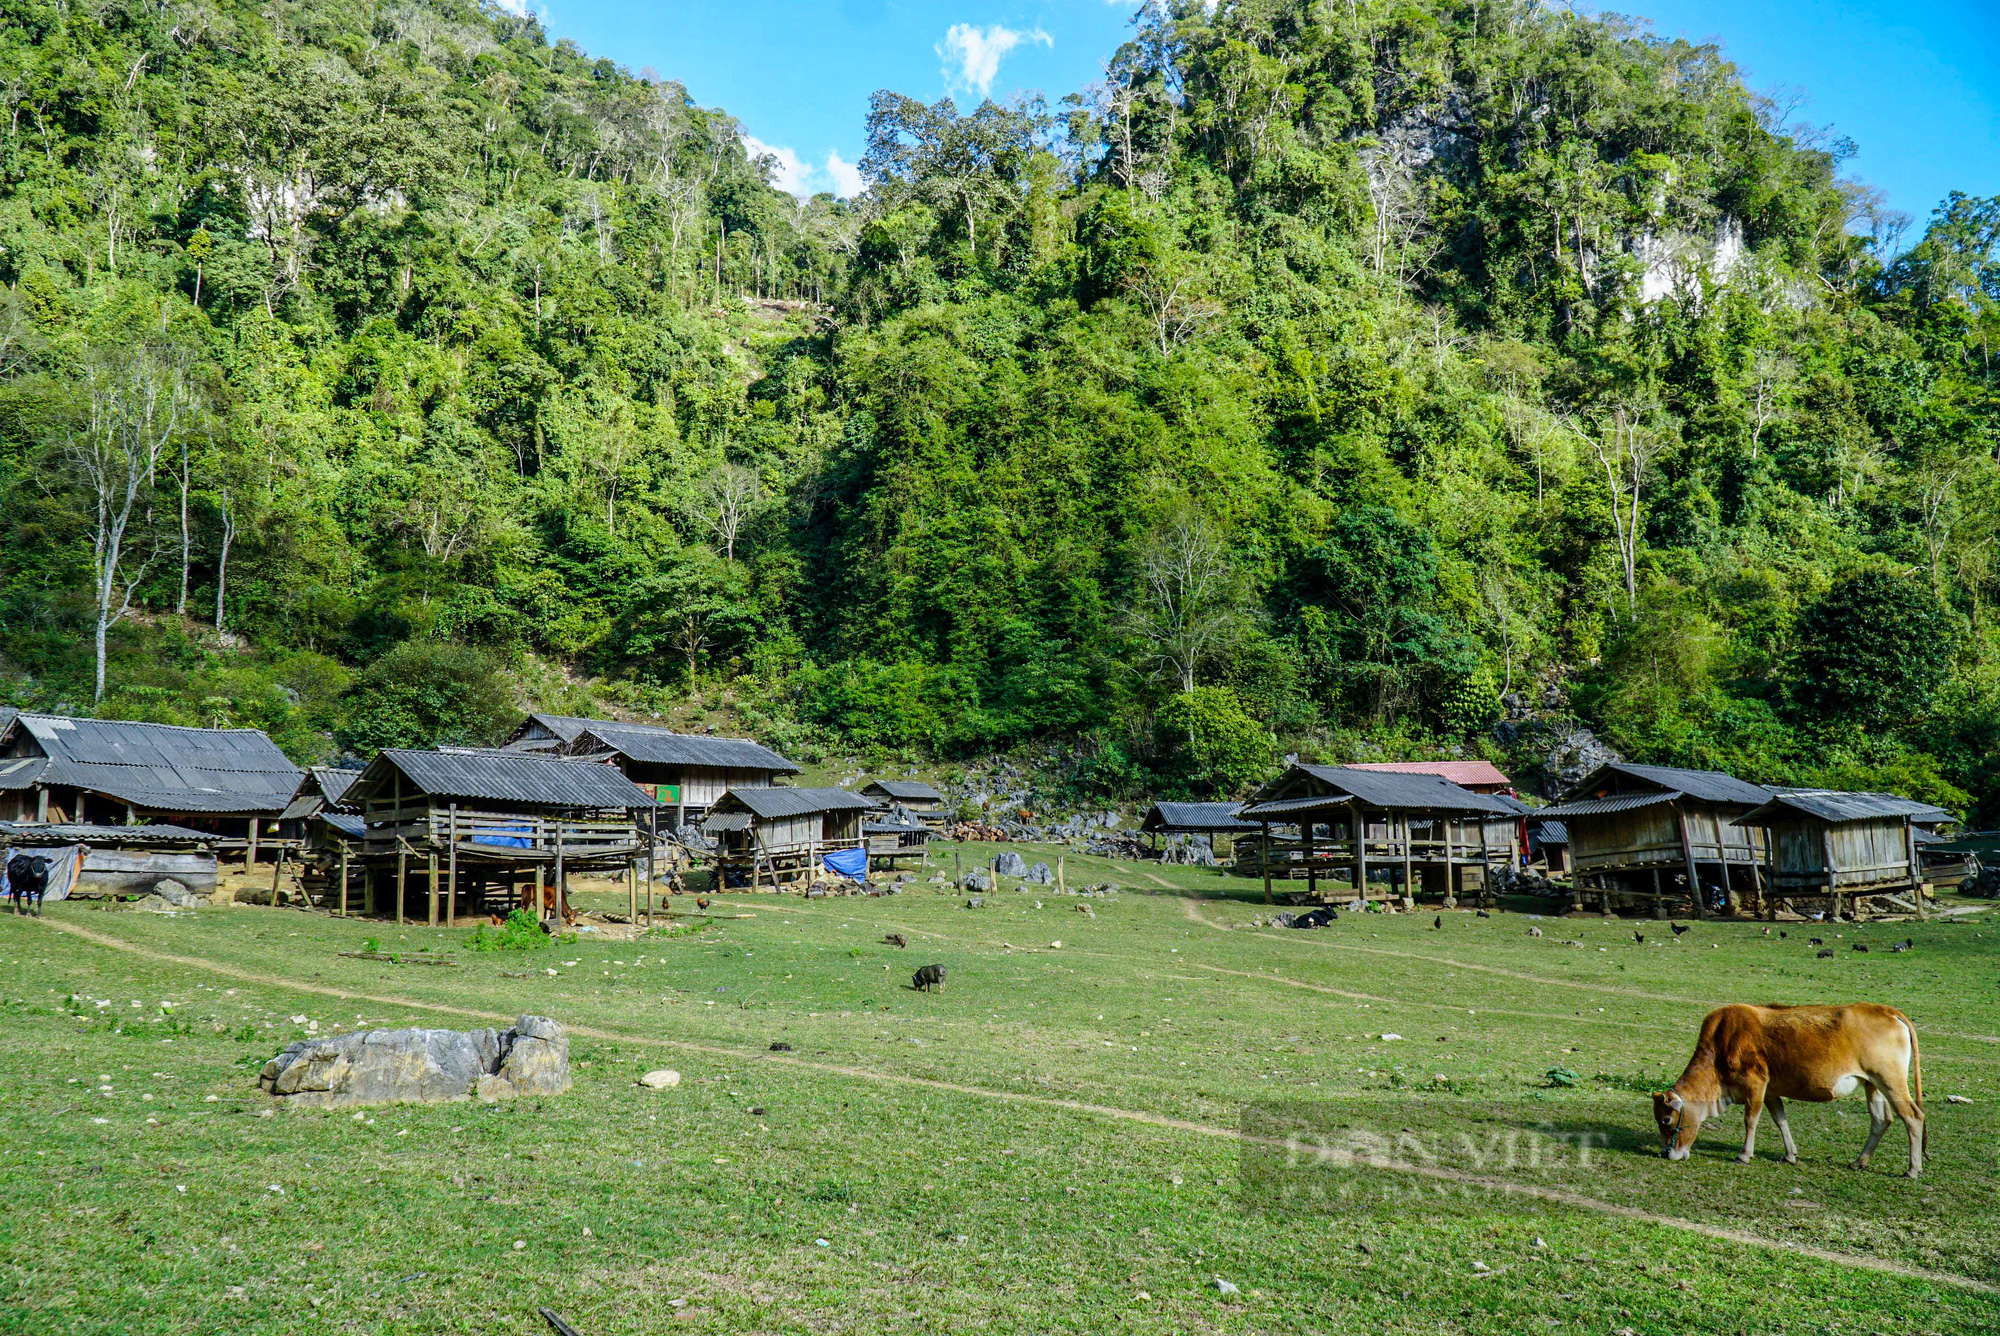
<point>1434,1172</point>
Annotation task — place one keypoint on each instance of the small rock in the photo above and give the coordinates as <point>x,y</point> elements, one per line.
<point>1539,1242</point>
<point>1956,1099</point>
<point>975,901</point>
<point>1223,1287</point>
<point>1387,1037</point>
<point>1481,1266</point>
<point>665,1078</point>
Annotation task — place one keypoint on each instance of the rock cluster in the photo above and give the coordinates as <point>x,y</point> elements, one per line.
<point>417,1066</point>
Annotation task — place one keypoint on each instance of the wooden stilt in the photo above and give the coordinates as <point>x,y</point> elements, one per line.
<point>1450,866</point>
<point>554,911</point>
<point>1312,867</point>
<point>250,853</point>
<point>1687,858</point>
<point>343,878</point>
<point>402,873</point>
<point>1409,889</point>
<point>451,900</point>
<point>1360,854</point>
<point>431,885</point>
<point>1264,857</point>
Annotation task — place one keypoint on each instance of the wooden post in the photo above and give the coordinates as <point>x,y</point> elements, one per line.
<point>1360,854</point>
<point>1408,888</point>
<point>343,878</point>
<point>1832,893</point>
<point>1062,887</point>
<point>1450,866</point>
<point>555,910</point>
<point>277,871</point>
<point>1264,856</point>
<point>1312,869</point>
<point>451,852</point>
<point>431,884</point>
<point>250,856</point>
<point>402,869</point>
<point>1687,857</point>
<point>1916,868</point>
<point>1485,866</point>
<point>652,852</point>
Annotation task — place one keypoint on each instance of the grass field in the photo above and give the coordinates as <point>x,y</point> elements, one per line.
<point>1050,1144</point>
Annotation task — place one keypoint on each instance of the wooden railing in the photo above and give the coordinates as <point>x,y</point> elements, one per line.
<point>430,827</point>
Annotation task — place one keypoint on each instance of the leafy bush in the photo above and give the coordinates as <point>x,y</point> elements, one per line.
<point>521,932</point>
<point>425,694</point>
<point>1209,744</point>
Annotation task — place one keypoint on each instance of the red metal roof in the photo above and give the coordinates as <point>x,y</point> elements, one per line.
<point>1479,776</point>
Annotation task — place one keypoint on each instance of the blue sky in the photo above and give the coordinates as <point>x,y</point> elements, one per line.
<point>1915,83</point>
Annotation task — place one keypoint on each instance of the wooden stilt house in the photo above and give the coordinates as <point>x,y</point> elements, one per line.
<point>776,837</point>
<point>1845,852</point>
<point>483,822</point>
<point>917,798</point>
<point>685,772</point>
<point>1385,833</point>
<point>1662,838</point>
<point>229,784</point>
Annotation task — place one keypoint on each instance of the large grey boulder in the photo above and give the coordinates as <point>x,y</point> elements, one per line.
<point>1039,875</point>
<point>421,1066</point>
<point>1011,864</point>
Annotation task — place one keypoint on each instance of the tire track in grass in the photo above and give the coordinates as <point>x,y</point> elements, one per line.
<point>1147,1118</point>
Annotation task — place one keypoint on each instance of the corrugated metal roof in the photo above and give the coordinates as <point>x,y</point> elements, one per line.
<point>1464,773</point>
<point>772,803</point>
<point>1323,802</point>
<point>1836,806</point>
<point>1195,816</point>
<point>1617,802</point>
<point>659,746</point>
<point>1397,790</point>
<point>905,789</point>
<point>333,783</point>
<point>348,824</point>
<point>531,781</point>
<point>1552,832</point>
<point>163,767</point>
<point>72,832</point>
<point>1709,786</point>
<point>22,772</point>
<point>894,828</point>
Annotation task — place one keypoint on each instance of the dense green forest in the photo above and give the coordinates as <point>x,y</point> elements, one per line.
<point>1329,379</point>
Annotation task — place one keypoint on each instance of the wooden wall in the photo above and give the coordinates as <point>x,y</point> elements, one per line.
<point>1865,853</point>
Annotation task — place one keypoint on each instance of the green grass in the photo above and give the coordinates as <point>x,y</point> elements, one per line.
<point>975,1158</point>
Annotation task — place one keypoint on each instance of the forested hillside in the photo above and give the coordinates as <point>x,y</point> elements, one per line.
<point>1328,379</point>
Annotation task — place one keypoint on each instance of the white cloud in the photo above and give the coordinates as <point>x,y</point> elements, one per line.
<point>791,174</point>
<point>795,176</point>
<point>846,177</point>
<point>972,55</point>
<point>518,8</point>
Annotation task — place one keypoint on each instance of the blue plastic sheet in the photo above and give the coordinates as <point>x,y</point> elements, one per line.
<point>511,837</point>
<point>849,863</point>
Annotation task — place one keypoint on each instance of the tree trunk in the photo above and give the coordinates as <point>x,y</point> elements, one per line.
<point>222,562</point>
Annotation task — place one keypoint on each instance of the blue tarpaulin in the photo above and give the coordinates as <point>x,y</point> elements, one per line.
<point>512,837</point>
<point>849,863</point>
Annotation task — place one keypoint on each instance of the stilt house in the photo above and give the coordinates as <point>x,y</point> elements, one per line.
<point>685,772</point>
<point>229,784</point>
<point>484,821</point>
<point>776,837</point>
<point>1650,835</point>
<point>914,796</point>
<point>1385,832</point>
<point>1844,848</point>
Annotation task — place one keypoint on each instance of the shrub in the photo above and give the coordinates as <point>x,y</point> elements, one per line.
<point>521,932</point>
<point>426,694</point>
<point>1209,744</point>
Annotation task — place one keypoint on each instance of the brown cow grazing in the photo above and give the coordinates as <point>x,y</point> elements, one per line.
<point>1755,1056</point>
